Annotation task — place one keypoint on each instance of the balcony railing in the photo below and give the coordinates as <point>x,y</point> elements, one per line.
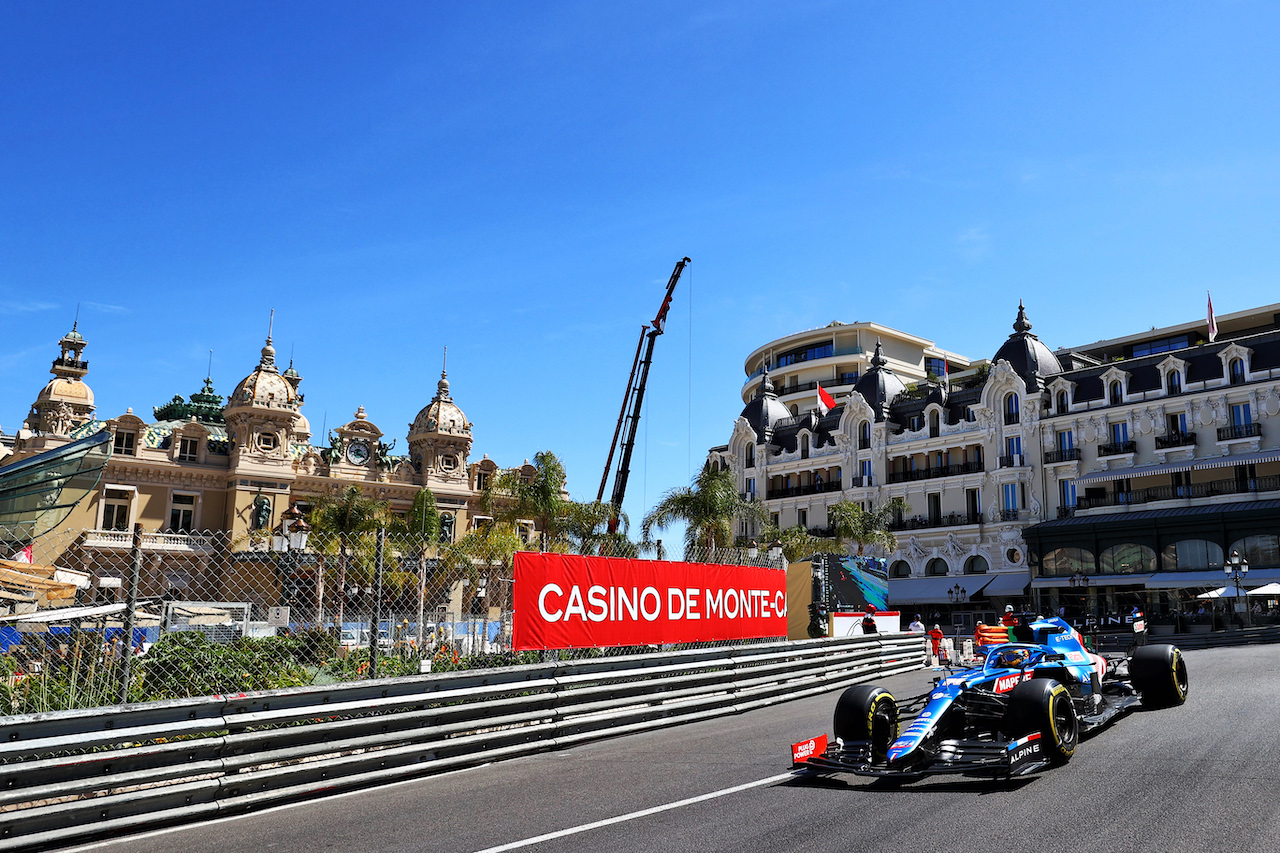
<point>1013,460</point>
<point>1011,418</point>
<point>1010,514</point>
<point>1269,483</point>
<point>1175,439</point>
<point>952,519</point>
<point>797,491</point>
<point>1118,448</point>
<point>1069,454</point>
<point>860,481</point>
<point>934,473</point>
<point>73,363</point>
<point>1066,512</point>
<point>1228,433</point>
<point>182,543</point>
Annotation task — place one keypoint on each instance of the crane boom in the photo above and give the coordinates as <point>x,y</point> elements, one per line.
<point>636,394</point>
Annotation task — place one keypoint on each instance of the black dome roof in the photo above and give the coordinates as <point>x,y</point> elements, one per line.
<point>879,386</point>
<point>765,410</point>
<point>1027,354</point>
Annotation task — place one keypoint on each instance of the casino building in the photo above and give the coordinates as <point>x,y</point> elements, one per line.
<point>205,471</point>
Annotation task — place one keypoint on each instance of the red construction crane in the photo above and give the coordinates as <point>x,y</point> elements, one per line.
<point>635,398</point>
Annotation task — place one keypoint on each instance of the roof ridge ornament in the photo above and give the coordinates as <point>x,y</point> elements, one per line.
<point>1021,325</point>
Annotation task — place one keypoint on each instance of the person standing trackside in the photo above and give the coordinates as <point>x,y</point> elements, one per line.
<point>916,627</point>
<point>935,646</point>
<point>1008,620</point>
<point>869,621</point>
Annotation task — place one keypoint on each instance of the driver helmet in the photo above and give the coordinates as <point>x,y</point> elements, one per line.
<point>1012,658</point>
<point>1008,608</point>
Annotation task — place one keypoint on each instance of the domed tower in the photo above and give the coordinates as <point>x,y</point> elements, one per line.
<point>879,386</point>
<point>66,402</point>
<point>262,419</point>
<point>765,410</point>
<point>1027,354</point>
<point>440,437</point>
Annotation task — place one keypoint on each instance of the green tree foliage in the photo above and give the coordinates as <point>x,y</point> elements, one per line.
<point>340,526</point>
<point>187,663</point>
<point>866,527</point>
<point>542,498</point>
<point>797,542</point>
<point>708,507</point>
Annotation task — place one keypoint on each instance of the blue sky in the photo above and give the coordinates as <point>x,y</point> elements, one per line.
<point>516,181</point>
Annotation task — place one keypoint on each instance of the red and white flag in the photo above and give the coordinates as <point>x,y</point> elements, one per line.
<point>22,556</point>
<point>825,401</point>
<point>1213,323</point>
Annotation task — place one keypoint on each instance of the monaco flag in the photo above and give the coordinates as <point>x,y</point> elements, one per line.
<point>1213,321</point>
<point>22,556</point>
<point>825,401</point>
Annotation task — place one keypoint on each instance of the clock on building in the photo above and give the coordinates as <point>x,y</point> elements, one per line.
<point>358,452</point>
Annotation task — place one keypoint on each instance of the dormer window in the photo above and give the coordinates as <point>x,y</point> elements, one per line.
<point>268,441</point>
<point>1062,402</point>
<point>1010,409</point>
<point>864,435</point>
<point>1235,371</point>
<point>1117,393</point>
<point>751,456</point>
<point>125,442</point>
<point>188,449</point>
<point>1174,382</point>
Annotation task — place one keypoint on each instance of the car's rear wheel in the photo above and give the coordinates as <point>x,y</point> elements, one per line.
<point>1159,673</point>
<point>868,713</point>
<point>1044,706</point>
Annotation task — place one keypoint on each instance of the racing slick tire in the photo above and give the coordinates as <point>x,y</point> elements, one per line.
<point>1043,705</point>
<point>868,713</point>
<point>1159,673</point>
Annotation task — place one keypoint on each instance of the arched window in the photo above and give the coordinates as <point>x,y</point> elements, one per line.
<point>976,565</point>
<point>1062,402</point>
<point>936,566</point>
<point>900,569</point>
<point>1262,551</point>
<point>1191,554</point>
<point>804,447</point>
<point>1236,371</point>
<point>1117,393</point>
<point>1062,562</point>
<point>1175,382</point>
<point>795,410</point>
<point>864,435</point>
<point>751,456</point>
<point>1127,559</point>
<point>934,425</point>
<point>1011,408</point>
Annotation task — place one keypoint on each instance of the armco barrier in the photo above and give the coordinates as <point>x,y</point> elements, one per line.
<point>73,775</point>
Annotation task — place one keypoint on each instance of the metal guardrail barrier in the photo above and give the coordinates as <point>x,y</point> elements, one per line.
<point>75,775</point>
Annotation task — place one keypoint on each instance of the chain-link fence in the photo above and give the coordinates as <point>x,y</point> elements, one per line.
<point>98,617</point>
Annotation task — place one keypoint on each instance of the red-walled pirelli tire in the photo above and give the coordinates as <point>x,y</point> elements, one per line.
<point>1159,673</point>
<point>1044,705</point>
<point>870,713</point>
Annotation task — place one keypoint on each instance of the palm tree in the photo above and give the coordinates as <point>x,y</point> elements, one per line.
<point>342,520</point>
<point>420,528</point>
<point>542,498</point>
<point>849,520</point>
<point>797,542</point>
<point>708,507</point>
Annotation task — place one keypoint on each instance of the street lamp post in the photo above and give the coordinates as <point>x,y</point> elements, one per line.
<point>1235,568</point>
<point>289,538</point>
<point>957,594</point>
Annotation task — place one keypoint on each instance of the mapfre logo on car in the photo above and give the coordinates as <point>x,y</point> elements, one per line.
<point>1005,683</point>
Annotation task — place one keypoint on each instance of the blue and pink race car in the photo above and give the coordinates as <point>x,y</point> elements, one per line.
<point>1023,708</point>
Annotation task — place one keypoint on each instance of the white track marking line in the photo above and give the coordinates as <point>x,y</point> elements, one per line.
<point>587,827</point>
<point>196,825</point>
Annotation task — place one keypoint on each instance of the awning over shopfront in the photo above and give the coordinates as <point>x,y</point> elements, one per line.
<point>1140,471</point>
<point>928,590</point>
<point>1183,465</point>
<point>1208,579</point>
<point>1006,583</point>
<point>1095,581</point>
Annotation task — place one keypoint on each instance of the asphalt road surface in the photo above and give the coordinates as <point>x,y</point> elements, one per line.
<point>1201,777</point>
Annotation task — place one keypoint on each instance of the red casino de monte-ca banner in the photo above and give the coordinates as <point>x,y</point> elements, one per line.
<point>567,601</point>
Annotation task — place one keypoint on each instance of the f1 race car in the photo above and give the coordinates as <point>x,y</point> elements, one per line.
<point>1022,709</point>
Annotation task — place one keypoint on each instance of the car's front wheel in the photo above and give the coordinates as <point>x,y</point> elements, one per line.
<point>1159,673</point>
<point>1043,705</point>
<point>868,713</point>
